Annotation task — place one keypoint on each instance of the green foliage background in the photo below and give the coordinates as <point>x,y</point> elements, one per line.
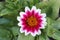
<point>9,10</point>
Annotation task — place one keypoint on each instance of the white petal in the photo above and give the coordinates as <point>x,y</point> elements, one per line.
<point>36,33</point>
<point>18,18</point>
<point>43,14</point>
<point>43,20</point>
<point>33,34</point>
<point>39,11</point>
<point>21,30</point>
<point>19,24</point>
<point>45,23</point>
<point>26,33</point>
<point>39,32</point>
<point>27,9</point>
<point>33,8</point>
<point>42,26</point>
<point>21,14</point>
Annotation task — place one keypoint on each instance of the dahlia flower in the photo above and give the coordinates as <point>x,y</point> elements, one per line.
<point>31,21</point>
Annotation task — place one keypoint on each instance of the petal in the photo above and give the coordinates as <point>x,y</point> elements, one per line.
<point>24,15</point>
<point>36,33</point>
<point>33,34</point>
<point>33,8</point>
<point>38,11</point>
<point>43,20</point>
<point>19,24</point>
<point>21,14</point>
<point>27,9</point>
<point>20,21</point>
<point>18,18</point>
<point>21,30</point>
<point>39,32</point>
<point>26,33</point>
<point>43,14</point>
<point>42,26</point>
<point>45,23</point>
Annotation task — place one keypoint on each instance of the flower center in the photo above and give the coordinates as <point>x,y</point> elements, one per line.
<point>32,21</point>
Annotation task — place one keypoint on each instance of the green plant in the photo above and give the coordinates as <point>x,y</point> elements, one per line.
<point>9,10</point>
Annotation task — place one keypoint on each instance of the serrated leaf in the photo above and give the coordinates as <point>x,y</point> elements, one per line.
<point>10,6</point>
<point>4,34</point>
<point>56,35</point>
<point>5,12</point>
<point>56,24</point>
<point>20,3</point>
<point>42,38</point>
<point>23,37</point>
<point>55,8</point>
<point>42,5</point>
<point>50,29</point>
<point>15,30</point>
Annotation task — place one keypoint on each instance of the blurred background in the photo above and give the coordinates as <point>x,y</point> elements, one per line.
<point>9,10</point>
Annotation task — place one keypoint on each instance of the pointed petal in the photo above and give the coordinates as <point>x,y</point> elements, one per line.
<point>27,9</point>
<point>19,24</point>
<point>42,26</point>
<point>43,20</point>
<point>33,8</point>
<point>39,32</point>
<point>43,14</point>
<point>44,23</point>
<point>21,14</point>
<point>26,33</point>
<point>18,18</point>
<point>38,11</point>
<point>33,34</point>
<point>21,30</point>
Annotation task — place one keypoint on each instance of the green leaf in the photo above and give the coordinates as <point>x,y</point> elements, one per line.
<point>50,29</point>
<point>42,38</point>
<point>55,12</point>
<point>56,35</point>
<point>15,30</point>
<point>10,6</point>
<point>13,4</point>
<point>55,8</point>
<point>36,1</point>
<point>42,5</point>
<point>4,21</point>
<point>21,3</point>
<point>49,11</point>
<point>23,37</point>
<point>1,5</point>
<point>5,34</point>
<point>56,24</point>
<point>5,12</point>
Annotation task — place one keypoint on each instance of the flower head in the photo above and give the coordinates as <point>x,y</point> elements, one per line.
<point>31,21</point>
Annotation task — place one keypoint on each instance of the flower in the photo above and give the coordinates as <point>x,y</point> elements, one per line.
<point>31,21</point>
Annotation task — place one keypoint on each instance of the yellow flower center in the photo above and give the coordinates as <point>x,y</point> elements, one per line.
<point>32,21</point>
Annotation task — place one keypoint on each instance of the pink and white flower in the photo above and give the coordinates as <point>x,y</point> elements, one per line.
<point>31,21</point>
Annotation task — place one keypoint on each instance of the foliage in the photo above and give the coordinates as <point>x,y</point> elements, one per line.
<point>9,10</point>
